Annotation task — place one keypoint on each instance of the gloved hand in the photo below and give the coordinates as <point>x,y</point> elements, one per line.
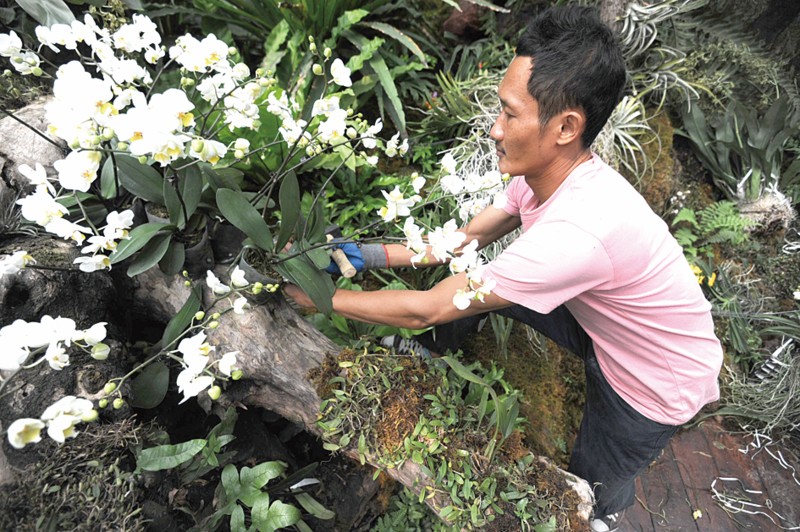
<point>362,257</point>
<point>353,253</point>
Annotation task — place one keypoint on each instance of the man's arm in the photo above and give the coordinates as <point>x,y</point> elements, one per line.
<point>412,309</point>
<point>488,226</point>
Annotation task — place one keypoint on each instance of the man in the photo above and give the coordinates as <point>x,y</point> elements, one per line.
<point>594,269</point>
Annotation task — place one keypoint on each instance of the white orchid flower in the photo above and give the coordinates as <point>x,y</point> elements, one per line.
<point>13,263</point>
<point>93,264</point>
<point>228,363</point>
<point>190,384</point>
<point>216,286</point>
<point>340,73</point>
<point>24,431</point>
<point>238,279</point>
<point>195,345</point>
<point>240,305</point>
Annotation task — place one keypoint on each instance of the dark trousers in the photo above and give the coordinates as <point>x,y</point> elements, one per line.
<point>615,442</point>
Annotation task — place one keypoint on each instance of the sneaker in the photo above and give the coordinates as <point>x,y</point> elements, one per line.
<point>406,346</point>
<point>609,523</point>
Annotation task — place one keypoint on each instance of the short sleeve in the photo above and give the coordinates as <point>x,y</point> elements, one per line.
<point>548,265</point>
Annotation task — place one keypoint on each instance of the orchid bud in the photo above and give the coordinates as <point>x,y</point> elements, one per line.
<point>118,403</point>
<point>90,416</point>
<point>313,48</point>
<point>214,392</point>
<point>238,154</point>
<point>199,315</point>
<point>197,145</point>
<point>142,159</point>
<point>232,50</point>
<point>187,283</point>
<point>213,324</point>
<point>110,387</point>
<point>107,133</point>
<point>351,132</point>
<point>122,145</point>
<point>36,71</point>
<point>349,112</point>
<point>327,53</point>
<point>215,316</point>
<point>100,351</point>
<point>236,374</point>
<point>317,69</point>
<point>102,403</point>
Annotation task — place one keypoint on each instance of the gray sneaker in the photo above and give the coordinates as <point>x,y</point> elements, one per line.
<point>406,346</point>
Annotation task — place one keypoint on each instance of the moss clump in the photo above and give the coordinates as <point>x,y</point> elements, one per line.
<point>85,484</point>
<point>551,381</point>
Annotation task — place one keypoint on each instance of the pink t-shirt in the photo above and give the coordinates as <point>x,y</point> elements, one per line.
<point>597,247</point>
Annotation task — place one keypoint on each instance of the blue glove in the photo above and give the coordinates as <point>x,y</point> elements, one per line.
<point>362,257</point>
<point>353,254</point>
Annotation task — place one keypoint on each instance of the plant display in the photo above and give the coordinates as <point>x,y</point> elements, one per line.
<point>447,418</point>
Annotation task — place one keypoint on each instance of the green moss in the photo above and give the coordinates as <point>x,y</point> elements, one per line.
<point>552,384</point>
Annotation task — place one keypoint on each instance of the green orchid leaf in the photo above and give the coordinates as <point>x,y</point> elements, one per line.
<point>150,254</point>
<point>168,456</point>
<point>312,506</point>
<point>182,319</point>
<point>108,180</point>
<point>140,179</point>
<point>237,210</point>
<point>150,386</point>
<point>221,178</point>
<point>172,261</point>
<point>47,12</point>
<point>318,285</point>
<point>139,237</point>
<point>289,200</point>
<point>318,255</point>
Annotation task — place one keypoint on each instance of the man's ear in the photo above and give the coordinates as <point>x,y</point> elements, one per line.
<point>572,124</point>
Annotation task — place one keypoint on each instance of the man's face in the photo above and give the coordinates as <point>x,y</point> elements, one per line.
<point>521,146</point>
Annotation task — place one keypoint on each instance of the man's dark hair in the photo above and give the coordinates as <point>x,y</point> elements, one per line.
<point>577,63</point>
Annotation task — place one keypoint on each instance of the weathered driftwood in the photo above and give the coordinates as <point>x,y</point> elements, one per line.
<point>278,350</point>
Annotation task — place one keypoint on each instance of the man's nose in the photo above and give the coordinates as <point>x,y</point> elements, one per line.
<point>496,133</point>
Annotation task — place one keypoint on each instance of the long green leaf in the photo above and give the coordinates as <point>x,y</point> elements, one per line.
<point>307,276</point>
<point>387,83</point>
<point>140,180</point>
<point>138,238</point>
<point>238,211</point>
<point>150,386</point>
<point>399,36</point>
<point>150,255</point>
<point>169,456</point>
<point>289,199</point>
<point>108,181</point>
<point>173,260</point>
<point>47,12</point>
<point>312,506</point>
<point>182,319</point>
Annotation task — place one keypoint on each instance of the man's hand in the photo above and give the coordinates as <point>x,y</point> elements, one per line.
<point>299,297</point>
<point>353,254</point>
